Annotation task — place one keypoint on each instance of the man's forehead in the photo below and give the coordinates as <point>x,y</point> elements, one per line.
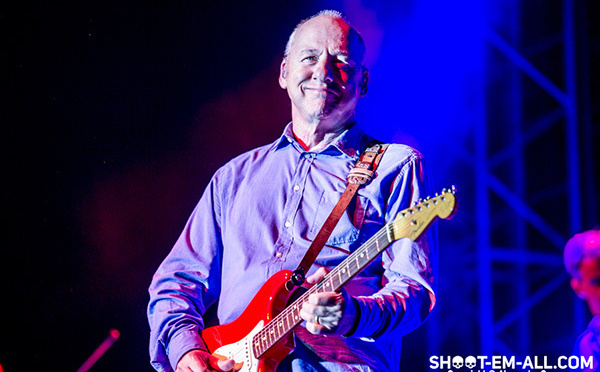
<point>322,31</point>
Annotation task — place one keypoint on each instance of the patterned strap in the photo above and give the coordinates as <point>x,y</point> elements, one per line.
<point>362,173</point>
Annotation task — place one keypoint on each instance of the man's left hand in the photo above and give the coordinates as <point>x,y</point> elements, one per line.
<point>327,312</point>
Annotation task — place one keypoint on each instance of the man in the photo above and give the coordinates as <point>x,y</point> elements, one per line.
<point>261,211</point>
<point>582,260</point>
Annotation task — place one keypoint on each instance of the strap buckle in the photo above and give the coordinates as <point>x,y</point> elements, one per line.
<point>361,173</point>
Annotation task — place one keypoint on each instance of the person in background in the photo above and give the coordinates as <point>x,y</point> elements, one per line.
<point>582,261</point>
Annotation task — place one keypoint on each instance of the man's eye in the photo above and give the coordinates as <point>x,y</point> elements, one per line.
<point>309,59</point>
<point>343,66</point>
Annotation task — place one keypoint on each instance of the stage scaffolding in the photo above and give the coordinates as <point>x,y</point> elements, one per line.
<point>527,184</point>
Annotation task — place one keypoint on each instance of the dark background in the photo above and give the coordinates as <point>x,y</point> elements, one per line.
<point>115,116</point>
<point>101,142</point>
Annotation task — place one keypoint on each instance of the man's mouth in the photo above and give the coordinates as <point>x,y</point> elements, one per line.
<point>322,90</point>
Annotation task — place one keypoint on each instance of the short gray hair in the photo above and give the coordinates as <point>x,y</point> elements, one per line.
<point>585,244</point>
<point>326,12</point>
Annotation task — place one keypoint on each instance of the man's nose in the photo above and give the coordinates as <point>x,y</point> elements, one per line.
<point>323,71</point>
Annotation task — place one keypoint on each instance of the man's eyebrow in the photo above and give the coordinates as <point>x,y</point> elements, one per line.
<point>309,51</point>
<point>345,55</point>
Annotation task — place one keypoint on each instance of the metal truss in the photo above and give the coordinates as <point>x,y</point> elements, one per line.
<point>503,288</point>
<point>526,173</point>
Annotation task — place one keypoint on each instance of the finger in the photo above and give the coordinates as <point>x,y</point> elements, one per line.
<point>194,361</point>
<point>317,329</point>
<point>317,276</point>
<point>225,365</point>
<point>326,299</point>
<point>221,364</point>
<point>308,311</point>
<point>322,315</point>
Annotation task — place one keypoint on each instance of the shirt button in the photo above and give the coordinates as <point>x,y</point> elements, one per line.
<point>278,254</point>
<point>288,224</point>
<point>296,188</point>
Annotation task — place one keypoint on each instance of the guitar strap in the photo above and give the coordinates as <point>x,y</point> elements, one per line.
<point>362,173</point>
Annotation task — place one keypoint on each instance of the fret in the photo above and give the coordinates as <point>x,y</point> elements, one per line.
<point>351,270</point>
<point>389,234</point>
<point>256,349</point>
<point>290,319</point>
<point>338,279</point>
<point>353,264</point>
<point>373,249</point>
<point>328,286</point>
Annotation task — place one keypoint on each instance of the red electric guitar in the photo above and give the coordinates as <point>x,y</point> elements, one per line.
<point>261,336</point>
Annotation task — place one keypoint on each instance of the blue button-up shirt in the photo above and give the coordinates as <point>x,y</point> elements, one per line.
<point>259,214</point>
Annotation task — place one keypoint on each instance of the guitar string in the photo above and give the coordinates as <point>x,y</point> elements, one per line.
<point>352,257</point>
<point>270,328</point>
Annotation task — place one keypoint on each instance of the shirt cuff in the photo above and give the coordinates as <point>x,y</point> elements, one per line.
<point>352,314</point>
<point>372,318</point>
<point>183,342</point>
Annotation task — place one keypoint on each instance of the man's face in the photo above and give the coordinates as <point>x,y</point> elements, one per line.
<point>587,285</point>
<point>323,72</point>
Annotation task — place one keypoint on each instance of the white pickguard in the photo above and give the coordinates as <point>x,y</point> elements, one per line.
<point>241,351</point>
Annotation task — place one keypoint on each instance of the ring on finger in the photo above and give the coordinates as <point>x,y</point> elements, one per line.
<point>317,320</point>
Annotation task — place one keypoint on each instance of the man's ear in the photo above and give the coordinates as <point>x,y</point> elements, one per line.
<point>364,81</point>
<point>282,74</point>
<point>576,285</point>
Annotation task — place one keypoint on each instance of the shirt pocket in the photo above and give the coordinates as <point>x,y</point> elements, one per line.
<point>348,227</point>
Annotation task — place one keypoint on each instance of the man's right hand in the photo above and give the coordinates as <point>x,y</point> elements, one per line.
<point>201,361</point>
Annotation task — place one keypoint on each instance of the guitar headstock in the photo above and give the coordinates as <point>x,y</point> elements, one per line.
<point>412,222</point>
<point>446,202</point>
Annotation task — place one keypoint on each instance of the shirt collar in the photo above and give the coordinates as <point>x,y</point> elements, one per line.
<point>350,142</point>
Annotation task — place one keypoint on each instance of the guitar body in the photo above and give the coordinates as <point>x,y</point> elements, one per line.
<point>234,340</point>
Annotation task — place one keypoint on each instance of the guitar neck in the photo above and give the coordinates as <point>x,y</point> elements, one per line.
<point>333,281</point>
<point>410,223</point>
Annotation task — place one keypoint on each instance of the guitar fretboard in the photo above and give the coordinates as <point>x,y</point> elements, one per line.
<point>333,281</point>
<point>411,223</point>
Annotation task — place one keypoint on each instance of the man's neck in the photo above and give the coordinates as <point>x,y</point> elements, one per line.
<point>317,135</point>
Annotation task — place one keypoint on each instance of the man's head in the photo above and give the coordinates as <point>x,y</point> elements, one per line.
<point>582,261</point>
<point>323,70</point>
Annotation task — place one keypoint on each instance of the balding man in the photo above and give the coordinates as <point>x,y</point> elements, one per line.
<point>262,210</point>
<point>582,261</point>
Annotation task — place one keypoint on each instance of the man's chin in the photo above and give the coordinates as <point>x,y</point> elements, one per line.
<point>327,110</point>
